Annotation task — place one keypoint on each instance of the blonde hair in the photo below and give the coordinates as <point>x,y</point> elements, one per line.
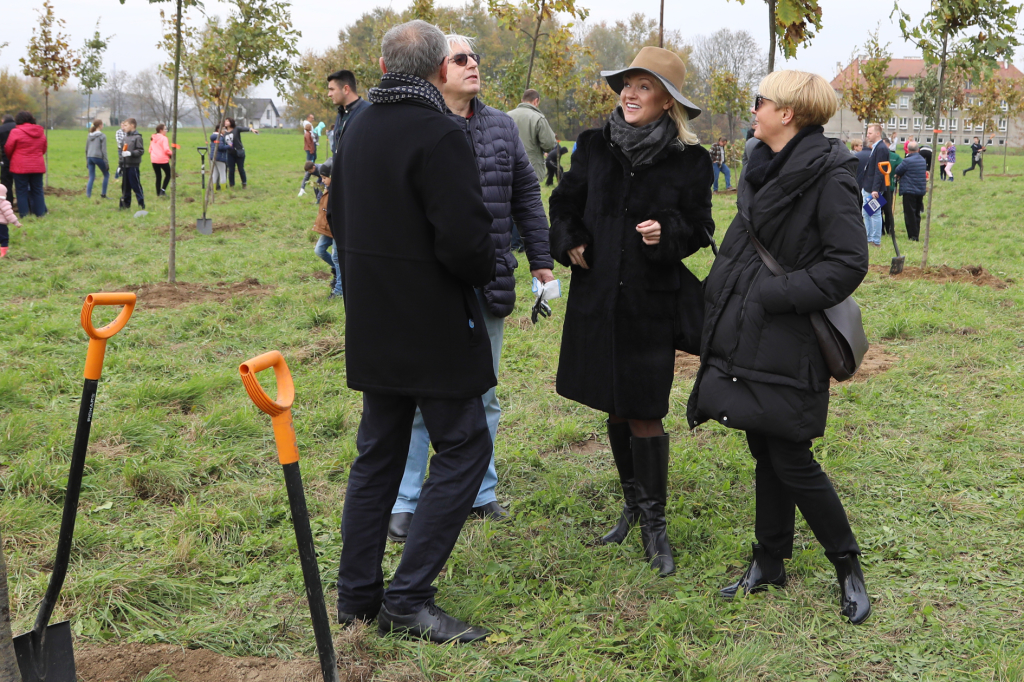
<point>811,98</point>
<point>856,142</point>
<point>681,118</point>
<point>96,123</point>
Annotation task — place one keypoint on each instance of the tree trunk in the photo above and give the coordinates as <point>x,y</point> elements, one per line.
<point>1006,143</point>
<point>88,110</point>
<point>171,263</point>
<point>536,37</point>
<point>771,35</point>
<point>935,155</point>
<point>46,134</point>
<point>8,663</point>
<point>661,26</point>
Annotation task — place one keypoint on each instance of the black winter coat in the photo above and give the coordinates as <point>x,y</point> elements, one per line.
<point>413,235</point>
<point>617,351</point>
<point>761,366</point>
<point>511,190</point>
<point>911,174</point>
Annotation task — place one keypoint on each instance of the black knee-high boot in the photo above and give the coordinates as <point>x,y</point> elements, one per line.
<point>618,438</point>
<point>650,463</point>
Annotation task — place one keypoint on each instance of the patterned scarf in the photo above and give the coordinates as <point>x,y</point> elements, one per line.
<point>398,87</point>
<point>641,145</point>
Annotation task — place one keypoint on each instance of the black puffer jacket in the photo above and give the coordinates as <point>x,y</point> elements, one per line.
<point>761,367</point>
<point>511,190</point>
<point>617,353</point>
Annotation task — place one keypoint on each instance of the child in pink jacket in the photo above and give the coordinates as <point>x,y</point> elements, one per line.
<point>160,156</point>
<point>7,217</point>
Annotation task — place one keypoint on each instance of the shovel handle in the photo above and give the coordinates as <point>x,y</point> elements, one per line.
<point>98,337</point>
<point>279,410</point>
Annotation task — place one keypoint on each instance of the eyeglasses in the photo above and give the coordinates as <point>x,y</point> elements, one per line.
<point>759,100</point>
<point>462,58</point>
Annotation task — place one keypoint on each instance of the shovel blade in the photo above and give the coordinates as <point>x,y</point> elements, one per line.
<point>896,267</point>
<point>51,660</point>
<point>204,225</point>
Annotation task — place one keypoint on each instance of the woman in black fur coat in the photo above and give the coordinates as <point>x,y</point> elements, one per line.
<point>635,202</point>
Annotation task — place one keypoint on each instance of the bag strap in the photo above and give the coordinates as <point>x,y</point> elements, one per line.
<point>772,264</point>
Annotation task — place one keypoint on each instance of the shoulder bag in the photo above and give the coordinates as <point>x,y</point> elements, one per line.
<point>839,329</point>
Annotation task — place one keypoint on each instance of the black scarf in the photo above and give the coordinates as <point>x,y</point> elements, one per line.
<point>763,164</point>
<point>398,87</point>
<point>641,145</point>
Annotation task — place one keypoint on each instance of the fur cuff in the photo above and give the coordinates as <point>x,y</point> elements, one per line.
<point>565,234</point>
<point>675,235</point>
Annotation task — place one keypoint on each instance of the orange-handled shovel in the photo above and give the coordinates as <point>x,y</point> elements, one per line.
<point>45,653</point>
<point>280,412</point>
<point>896,266</point>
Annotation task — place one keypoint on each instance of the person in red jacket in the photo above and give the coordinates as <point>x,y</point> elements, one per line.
<point>26,149</point>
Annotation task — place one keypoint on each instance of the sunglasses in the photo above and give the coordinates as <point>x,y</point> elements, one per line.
<point>759,100</point>
<point>462,58</point>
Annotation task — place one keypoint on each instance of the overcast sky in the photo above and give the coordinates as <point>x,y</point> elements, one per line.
<point>136,25</point>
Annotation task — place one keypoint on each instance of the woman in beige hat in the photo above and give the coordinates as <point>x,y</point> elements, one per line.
<point>635,202</point>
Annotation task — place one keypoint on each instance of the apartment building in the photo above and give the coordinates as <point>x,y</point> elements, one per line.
<point>903,121</point>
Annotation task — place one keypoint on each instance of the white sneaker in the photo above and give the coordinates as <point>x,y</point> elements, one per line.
<point>302,192</point>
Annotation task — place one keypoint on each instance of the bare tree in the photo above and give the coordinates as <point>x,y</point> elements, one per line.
<point>117,94</point>
<point>735,52</point>
<point>152,93</point>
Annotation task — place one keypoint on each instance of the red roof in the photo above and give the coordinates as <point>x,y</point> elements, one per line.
<point>911,68</point>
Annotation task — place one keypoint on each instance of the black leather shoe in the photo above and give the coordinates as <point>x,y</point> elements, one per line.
<point>854,602</point>
<point>650,464</point>
<point>398,528</point>
<point>492,511</point>
<point>346,619</point>
<point>430,623</point>
<point>618,438</point>
<point>764,570</point>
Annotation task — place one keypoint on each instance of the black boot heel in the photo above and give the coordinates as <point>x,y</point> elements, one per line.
<point>650,462</point>
<point>764,570</point>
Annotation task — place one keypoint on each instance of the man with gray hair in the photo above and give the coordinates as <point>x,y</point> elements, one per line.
<point>510,190</point>
<point>913,175</point>
<point>414,242</point>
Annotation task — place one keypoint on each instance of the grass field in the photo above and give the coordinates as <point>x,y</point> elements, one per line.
<point>184,536</point>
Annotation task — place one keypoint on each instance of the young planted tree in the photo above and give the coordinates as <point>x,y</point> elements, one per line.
<point>49,58</point>
<point>1013,95</point>
<point>972,33</point>
<point>926,94</point>
<point>791,24</point>
<point>534,13</point>
<point>865,86</point>
<point>559,73</point>
<point>728,98</point>
<point>90,69</point>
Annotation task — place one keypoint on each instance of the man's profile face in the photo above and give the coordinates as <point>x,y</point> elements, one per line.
<point>310,118</point>
<point>873,136</point>
<point>462,80</point>
<point>336,92</point>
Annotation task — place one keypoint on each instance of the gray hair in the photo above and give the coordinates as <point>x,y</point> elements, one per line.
<point>415,48</point>
<point>912,146</point>
<point>455,40</point>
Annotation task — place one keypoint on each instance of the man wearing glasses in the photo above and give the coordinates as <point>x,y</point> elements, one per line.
<point>511,190</point>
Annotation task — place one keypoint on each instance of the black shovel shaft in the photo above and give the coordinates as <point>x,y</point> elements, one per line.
<point>310,572</point>
<point>67,523</point>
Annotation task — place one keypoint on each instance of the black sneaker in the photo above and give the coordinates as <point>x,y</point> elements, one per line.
<point>430,623</point>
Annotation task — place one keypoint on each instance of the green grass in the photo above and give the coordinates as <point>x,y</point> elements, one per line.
<point>184,535</point>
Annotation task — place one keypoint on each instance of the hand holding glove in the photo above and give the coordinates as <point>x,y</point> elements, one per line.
<point>126,154</point>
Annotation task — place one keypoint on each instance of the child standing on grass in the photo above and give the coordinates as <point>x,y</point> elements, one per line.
<point>96,157</point>
<point>131,157</point>
<point>7,217</point>
<point>160,156</point>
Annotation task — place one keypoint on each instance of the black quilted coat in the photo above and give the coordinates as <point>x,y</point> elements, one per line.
<point>511,190</point>
<point>617,351</point>
<point>761,366</point>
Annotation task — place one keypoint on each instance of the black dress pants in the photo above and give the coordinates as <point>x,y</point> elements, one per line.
<point>913,206</point>
<point>164,168</point>
<point>130,182</point>
<point>462,443</point>
<point>788,476</point>
<point>235,161</point>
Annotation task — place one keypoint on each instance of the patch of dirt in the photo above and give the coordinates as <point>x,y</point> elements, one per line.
<point>944,274</point>
<point>131,662</point>
<point>877,360</point>
<point>323,275</point>
<point>1004,175</point>
<point>686,365</point>
<point>13,255</point>
<point>318,350</point>
<point>522,322</point>
<point>179,294</point>
<point>188,200</point>
<point>63,192</point>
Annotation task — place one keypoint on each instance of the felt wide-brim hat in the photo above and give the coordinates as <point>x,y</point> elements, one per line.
<point>664,65</point>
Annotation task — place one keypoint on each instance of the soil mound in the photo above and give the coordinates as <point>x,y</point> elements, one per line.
<point>877,360</point>
<point>63,192</point>
<point>179,294</point>
<point>131,662</point>
<point>944,274</point>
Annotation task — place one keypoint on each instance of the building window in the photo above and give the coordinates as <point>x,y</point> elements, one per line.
<point>917,123</point>
<point>967,140</point>
<point>1002,124</point>
<point>940,140</point>
<point>892,105</point>
<point>979,127</point>
<point>904,102</point>
<point>892,122</point>
<point>942,123</point>
<point>929,139</point>
<point>953,123</point>
<point>903,123</point>
<point>1000,141</point>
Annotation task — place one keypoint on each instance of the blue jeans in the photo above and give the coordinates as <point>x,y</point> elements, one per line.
<point>338,289</point>
<point>28,187</point>
<point>331,258</point>
<point>416,464</point>
<point>724,169</point>
<point>310,156</point>
<point>95,162</point>
<point>872,223</point>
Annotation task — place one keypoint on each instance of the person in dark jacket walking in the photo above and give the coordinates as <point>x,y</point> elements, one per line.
<point>6,178</point>
<point>635,202</point>
<point>510,190</point>
<point>132,149</point>
<point>25,150</point>
<point>977,152</point>
<point>416,176</point>
<point>913,175</point>
<point>761,367</point>
<point>236,150</point>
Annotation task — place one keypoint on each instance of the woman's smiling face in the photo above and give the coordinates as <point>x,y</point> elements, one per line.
<point>643,98</point>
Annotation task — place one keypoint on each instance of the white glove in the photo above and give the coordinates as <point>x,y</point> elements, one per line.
<point>126,154</point>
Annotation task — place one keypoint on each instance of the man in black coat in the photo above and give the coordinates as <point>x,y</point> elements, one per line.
<point>6,178</point>
<point>913,175</point>
<point>414,240</point>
